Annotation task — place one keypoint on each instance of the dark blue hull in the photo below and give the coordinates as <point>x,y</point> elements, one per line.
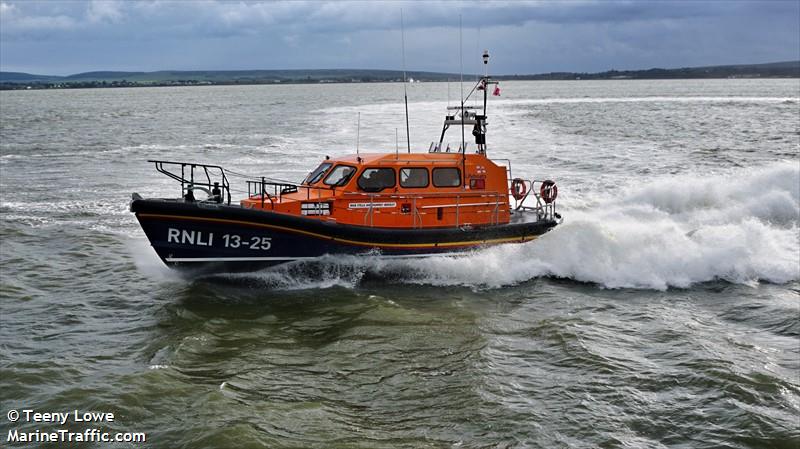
<point>232,238</point>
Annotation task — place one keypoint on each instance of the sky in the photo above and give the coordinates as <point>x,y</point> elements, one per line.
<point>55,37</point>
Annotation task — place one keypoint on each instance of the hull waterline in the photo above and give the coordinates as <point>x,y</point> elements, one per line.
<point>208,236</point>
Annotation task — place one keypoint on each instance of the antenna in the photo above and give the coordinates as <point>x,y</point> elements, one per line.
<point>396,145</point>
<point>405,92</point>
<point>463,141</point>
<point>477,49</point>
<point>358,133</point>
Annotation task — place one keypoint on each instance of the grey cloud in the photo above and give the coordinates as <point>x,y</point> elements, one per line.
<point>231,18</point>
<point>525,37</point>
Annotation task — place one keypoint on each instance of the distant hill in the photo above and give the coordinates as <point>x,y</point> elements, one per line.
<point>18,80</point>
<point>25,77</point>
<point>230,76</point>
<point>103,76</point>
<point>787,69</point>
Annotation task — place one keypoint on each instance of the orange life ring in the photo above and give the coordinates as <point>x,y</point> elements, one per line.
<point>548,191</point>
<point>518,188</point>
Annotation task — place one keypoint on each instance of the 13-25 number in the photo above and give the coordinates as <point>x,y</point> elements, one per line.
<point>255,242</point>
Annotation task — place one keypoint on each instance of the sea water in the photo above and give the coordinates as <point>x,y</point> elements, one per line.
<point>663,312</point>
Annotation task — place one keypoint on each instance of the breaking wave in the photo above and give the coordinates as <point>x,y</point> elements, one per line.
<point>674,232</point>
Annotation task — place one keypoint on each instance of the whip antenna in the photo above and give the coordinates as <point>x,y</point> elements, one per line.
<point>405,92</point>
<point>463,141</point>
<point>358,133</point>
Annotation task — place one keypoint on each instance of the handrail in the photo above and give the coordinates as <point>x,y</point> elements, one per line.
<point>457,205</point>
<point>190,184</point>
<point>413,161</point>
<point>259,188</point>
<point>508,167</point>
<point>420,195</point>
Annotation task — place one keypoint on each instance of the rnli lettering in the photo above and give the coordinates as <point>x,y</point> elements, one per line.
<point>371,205</point>
<point>201,238</point>
<point>190,237</point>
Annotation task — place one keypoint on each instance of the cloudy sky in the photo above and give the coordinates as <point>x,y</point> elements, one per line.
<point>64,37</point>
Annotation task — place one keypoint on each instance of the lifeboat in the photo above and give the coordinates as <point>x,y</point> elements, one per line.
<point>393,205</point>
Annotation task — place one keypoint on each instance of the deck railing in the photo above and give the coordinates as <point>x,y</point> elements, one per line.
<point>206,179</point>
<point>543,210</point>
<point>261,189</point>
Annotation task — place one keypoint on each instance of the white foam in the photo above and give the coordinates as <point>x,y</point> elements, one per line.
<point>388,110</point>
<point>327,272</point>
<point>675,232</point>
<point>148,263</point>
<point>769,194</point>
<point>657,99</point>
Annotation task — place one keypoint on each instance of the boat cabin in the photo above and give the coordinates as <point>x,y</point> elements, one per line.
<point>395,190</point>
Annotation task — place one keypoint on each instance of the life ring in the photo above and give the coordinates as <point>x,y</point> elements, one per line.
<point>548,191</point>
<point>518,188</point>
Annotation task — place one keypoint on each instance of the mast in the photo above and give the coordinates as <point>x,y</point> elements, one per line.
<point>482,122</point>
<point>405,92</point>
<point>475,118</point>
<point>486,79</point>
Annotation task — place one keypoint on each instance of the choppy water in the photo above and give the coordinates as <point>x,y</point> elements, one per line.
<point>664,312</point>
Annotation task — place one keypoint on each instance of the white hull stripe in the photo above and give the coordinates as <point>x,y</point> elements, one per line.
<point>287,259</point>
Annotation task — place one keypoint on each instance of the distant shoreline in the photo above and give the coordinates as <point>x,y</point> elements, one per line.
<point>15,86</point>
<point>92,80</point>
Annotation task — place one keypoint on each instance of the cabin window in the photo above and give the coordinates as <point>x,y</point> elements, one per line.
<point>412,177</point>
<point>317,174</point>
<point>446,177</point>
<point>340,175</point>
<point>477,183</point>
<point>376,179</point>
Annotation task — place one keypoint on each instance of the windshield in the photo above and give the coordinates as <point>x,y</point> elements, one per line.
<point>340,175</point>
<point>317,174</point>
